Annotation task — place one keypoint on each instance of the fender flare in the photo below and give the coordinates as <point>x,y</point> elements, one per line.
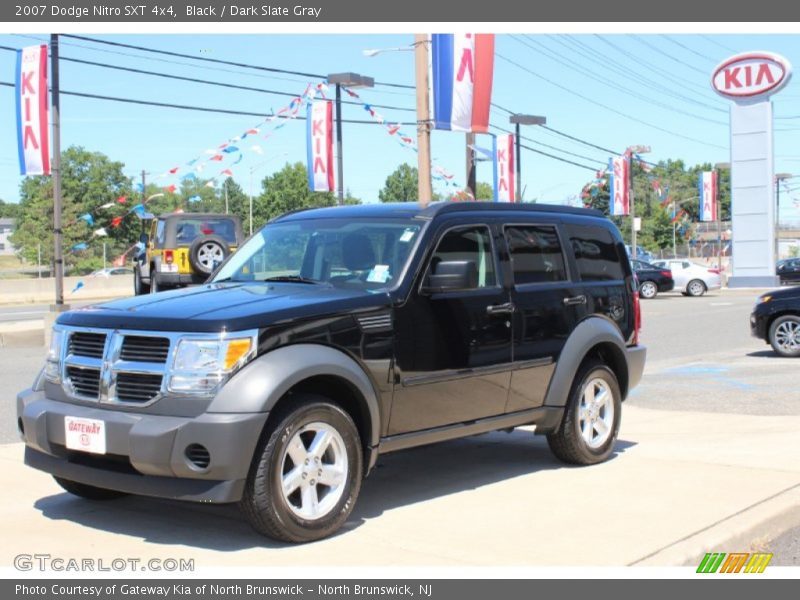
<point>263,382</point>
<point>589,333</point>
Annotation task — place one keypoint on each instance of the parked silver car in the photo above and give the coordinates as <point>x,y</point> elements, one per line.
<point>691,279</point>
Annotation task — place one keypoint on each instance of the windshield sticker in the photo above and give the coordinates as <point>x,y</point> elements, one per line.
<point>379,274</point>
<point>407,235</point>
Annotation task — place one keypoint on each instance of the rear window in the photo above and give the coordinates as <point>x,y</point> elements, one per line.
<point>187,230</point>
<point>535,254</point>
<point>596,253</point>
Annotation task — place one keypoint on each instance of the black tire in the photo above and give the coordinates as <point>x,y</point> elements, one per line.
<point>139,286</point>
<point>89,492</point>
<point>274,514</point>
<point>781,333</point>
<point>648,290</point>
<point>202,249</point>
<point>568,443</point>
<point>155,282</point>
<point>695,288</point>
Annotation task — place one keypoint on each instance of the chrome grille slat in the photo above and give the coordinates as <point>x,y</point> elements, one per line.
<point>85,382</point>
<point>145,349</point>
<point>88,344</point>
<point>137,387</point>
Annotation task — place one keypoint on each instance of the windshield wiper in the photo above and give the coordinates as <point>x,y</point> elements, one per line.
<point>292,278</point>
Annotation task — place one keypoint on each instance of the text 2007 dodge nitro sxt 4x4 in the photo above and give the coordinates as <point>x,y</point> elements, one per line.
<point>335,335</point>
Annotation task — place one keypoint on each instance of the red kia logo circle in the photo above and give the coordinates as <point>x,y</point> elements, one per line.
<point>751,74</point>
<point>84,439</point>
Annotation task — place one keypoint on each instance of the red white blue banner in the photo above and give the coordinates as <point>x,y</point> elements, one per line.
<point>462,65</point>
<point>320,146</point>
<point>504,183</point>
<point>619,202</point>
<point>33,142</point>
<point>707,188</point>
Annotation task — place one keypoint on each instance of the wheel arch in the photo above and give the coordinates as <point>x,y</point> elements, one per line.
<point>594,337</point>
<point>785,312</point>
<point>269,382</point>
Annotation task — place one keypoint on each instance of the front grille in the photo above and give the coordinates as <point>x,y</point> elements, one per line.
<point>82,343</point>
<point>138,348</point>
<point>137,387</point>
<point>85,382</point>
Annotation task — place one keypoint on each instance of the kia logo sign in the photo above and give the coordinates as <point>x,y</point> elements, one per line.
<point>751,75</point>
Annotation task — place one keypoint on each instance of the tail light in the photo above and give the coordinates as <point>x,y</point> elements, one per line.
<point>714,271</point>
<point>637,312</point>
<point>667,274</point>
<point>169,256</point>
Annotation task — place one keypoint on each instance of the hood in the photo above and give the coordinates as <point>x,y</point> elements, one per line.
<point>223,306</point>
<point>787,293</point>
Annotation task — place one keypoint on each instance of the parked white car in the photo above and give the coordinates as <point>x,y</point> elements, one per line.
<point>690,278</point>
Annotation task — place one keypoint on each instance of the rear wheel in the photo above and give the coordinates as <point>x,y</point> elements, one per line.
<point>139,286</point>
<point>306,474</point>
<point>784,335</point>
<point>591,419</point>
<point>648,289</point>
<point>696,288</point>
<point>88,492</point>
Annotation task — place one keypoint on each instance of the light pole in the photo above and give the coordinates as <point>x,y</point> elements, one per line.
<point>517,120</point>
<point>638,149</point>
<point>719,167</point>
<point>350,80</point>
<point>778,178</point>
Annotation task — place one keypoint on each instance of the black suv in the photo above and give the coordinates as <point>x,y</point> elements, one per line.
<point>776,320</point>
<point>333,336</point>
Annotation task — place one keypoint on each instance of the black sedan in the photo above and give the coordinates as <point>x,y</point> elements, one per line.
<point>789,270</point>
<point>652,279</point>
<point>776,319</point>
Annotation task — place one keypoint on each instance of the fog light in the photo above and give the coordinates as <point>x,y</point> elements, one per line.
<point>198,455</point>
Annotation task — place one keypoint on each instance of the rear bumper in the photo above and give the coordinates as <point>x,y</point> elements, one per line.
<point>636,356</point>
<point>180,278</point>
<point>145,453</point>
<point>666,286</point>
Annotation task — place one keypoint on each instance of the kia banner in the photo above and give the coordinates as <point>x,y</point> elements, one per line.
<point>320,146</point>
<point>619,197</point>
<point>31,102</point>
<point>504,184</point>
<point>707,185</point>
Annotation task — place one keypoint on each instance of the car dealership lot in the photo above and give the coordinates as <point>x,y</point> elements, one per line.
<point>714,410</point>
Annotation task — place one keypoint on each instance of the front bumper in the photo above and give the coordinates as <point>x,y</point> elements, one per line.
<point>758,325</point>
<point>636,356</point>
<point>145,453</point>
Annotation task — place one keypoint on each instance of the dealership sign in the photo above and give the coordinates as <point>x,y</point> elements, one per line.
<point>31,101</point>
<point>751,75</point>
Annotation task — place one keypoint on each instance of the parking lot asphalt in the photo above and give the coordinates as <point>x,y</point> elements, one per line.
<point>707,459</point>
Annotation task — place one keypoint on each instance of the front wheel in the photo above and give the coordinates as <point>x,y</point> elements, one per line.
<point>88,492</point>
<point>306,474</point>
<point>648,290</point>
<point>591,419</point>
<point>696,288</point>
<point>784,335</point>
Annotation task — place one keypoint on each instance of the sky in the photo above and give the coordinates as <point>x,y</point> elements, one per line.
<point>611,90</point>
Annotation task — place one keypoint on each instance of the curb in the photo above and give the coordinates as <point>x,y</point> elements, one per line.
<point>764,520</point>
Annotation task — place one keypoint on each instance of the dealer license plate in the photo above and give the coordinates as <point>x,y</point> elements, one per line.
<point>86,435</point>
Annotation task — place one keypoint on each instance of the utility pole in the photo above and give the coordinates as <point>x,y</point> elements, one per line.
<point>424,190</point>
<point>471,175</point>
<point>225,185</point>
<point>58,257</point>
<point>632,206</point>
<point>339,159</point>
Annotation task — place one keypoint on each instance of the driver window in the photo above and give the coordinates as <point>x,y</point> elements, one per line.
<point>468,244</point>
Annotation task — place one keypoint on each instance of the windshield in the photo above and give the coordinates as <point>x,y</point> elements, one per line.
<point>358,253</point>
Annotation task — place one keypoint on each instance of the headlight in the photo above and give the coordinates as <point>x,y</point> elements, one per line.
<point>201,365</point>
<point>52,365</point>
<point>764,298</point>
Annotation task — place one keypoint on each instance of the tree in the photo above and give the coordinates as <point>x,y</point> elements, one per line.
<point>9,211</point>
<point>88,180</point>
<point>484,191</point>
<point>401,185</point>
<point>287,190</point>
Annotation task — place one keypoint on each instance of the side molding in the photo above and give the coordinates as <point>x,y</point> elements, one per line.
<point>259,385</point>
<point>589,333</point>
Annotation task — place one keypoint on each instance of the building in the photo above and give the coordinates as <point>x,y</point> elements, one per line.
<point>6,229</point>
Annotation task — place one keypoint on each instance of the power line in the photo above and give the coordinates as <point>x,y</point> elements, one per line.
<point>609,108</point>
<point>225,111</point>
<point>617,87</point>
<point>717,43</point>
<point>557,149</point>
<point>203,81</point>
<point>687,48</point>
<point>668,55</point>
<point>220,61</point>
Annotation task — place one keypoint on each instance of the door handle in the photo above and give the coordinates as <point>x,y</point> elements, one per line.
<point>500,309</point>
<point>575,300</point>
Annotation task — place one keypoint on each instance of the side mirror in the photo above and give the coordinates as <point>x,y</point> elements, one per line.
<point>452,275</point>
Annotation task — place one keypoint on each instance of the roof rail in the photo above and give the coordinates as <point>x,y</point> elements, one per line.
<point>438,208</point>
